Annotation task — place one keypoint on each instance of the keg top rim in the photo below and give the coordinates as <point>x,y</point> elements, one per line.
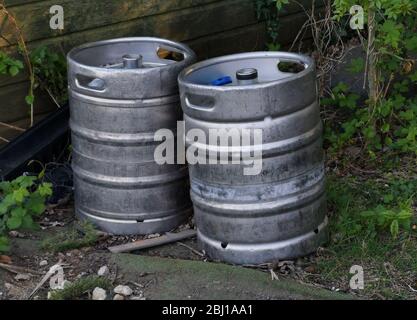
<point>306,61</point>
<point>189,54</point>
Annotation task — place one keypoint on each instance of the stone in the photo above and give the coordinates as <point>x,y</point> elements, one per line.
<point>103,271</point>
<point>99,294</point>
<point>12,290</point>
<point>118,297</point>
<point>123,290</point>
<point>22,277</point>
<point>16,234</point>
<point>43,263</point>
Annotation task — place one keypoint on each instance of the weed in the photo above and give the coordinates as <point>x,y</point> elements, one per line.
<point>80,287</point>
<point>362,233</point>
<point>21,200</point>
<point>367,207</point>
<point>74,238</point>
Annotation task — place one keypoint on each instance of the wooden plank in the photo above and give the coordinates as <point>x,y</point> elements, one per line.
<point>179,25</point>
<point>7,79</point>
<point>296,6</point>
<point>247,38</point>
<point>82,15</point>
<point>229,34</point>
<point>176,24</point>
<point>169,20</point>
<point>13,106</point>
<point>10,134</point>
<point>153,242</point>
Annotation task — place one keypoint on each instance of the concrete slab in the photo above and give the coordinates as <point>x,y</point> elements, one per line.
<point>185,279</point>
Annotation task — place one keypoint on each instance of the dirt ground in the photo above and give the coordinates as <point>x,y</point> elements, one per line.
<point>172,271</point>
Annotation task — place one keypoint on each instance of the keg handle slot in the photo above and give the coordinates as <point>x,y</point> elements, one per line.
<point>170,54</point>
<point>291,66</point>
<point>90,83</point>
<point>198,102</point>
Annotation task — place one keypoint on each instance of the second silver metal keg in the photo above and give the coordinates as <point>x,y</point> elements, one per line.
<point>121,92</point>
<point>280,212</point>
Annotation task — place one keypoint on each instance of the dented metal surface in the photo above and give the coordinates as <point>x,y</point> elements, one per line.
<point>121,93</point>
<point>281,212</point>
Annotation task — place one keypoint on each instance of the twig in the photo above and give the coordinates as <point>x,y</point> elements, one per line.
<point>323,34</point>
<point>45,278</point>
<point>52,97</point>
<point>191,249</point>
<point>274,276</point>
<point>148,243</point>
<point>12,127</point>
<point>21,41</point>
<point>17,269</point>
<point>411,288</point>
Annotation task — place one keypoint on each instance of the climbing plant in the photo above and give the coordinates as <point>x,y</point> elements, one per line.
<point>389,38</point>
<point>9,18</point>
<point>387,119</point>
<point>267,10</point>
<point>46,69</point>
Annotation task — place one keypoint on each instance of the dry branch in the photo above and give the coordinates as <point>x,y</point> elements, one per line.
<point>149,243</point>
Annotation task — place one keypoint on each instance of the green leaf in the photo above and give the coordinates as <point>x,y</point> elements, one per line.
<point>6,203</point>
<point>4,244</point>
<point>369,132</point>
<point>411,43</point>
<point>388,198</point>
<point>45,189</point>
<point>280,3</point>
<point>392,33</point>
<point>385,127</point>
<point>407,115</point>
<point>16,218</point>
<point>385,108</point>
<point>27,222</point>
<point>341,87</point>
<point>5,186</point>
<point>25,181</point>
<point>13,71</point>
<point>36,204</point>
<point>30,99</point>
<point>356,65</point>
<point>413,76</point>
<point>20,194</point>
<point>394,228</point>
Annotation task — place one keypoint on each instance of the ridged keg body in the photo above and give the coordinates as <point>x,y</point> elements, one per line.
<point>279,213</point>
<point>122,92</point>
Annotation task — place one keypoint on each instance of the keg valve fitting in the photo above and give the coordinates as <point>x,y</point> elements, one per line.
<point>247,76</point>
<point>132,61</point>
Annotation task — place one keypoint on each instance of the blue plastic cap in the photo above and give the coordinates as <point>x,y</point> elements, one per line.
<point>221,81</point>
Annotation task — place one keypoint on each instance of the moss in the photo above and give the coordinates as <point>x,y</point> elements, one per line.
<point>74,238</point>
<point>214,280</point>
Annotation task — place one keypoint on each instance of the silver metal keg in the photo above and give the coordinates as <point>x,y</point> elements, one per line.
<point>279,213</point>
<point>121,92</point>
